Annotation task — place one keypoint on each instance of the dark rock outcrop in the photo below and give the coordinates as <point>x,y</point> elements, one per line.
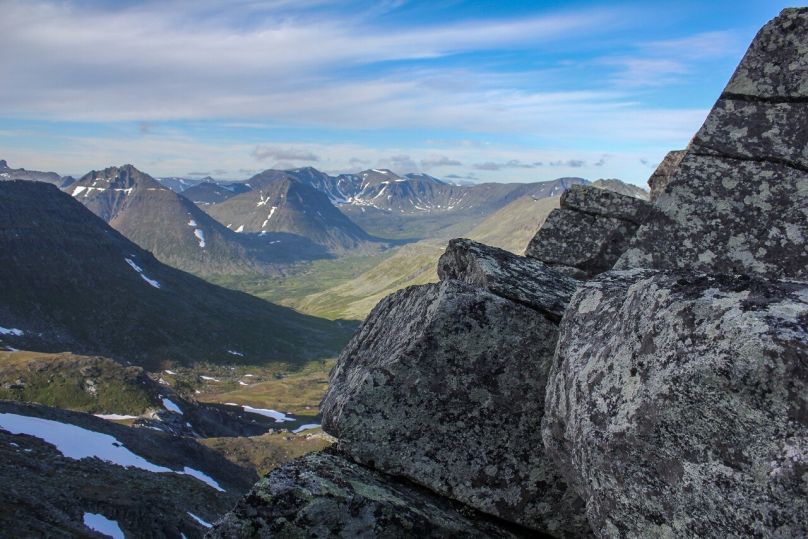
<point>738,201</point>
<point>678,404</point>
<point>661,177</point>
<point>444,384</point>
<point>327,495</point>
<point>589,232</point>
<point>518,278</point>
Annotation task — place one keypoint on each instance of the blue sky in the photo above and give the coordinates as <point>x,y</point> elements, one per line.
<point>488,91</point>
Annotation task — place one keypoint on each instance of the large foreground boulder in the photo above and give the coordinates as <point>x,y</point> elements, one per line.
<point>518,278</point>
<point>738,201</point>
<point>678,405</point>
<point>589,232</point>
<point>444,384</point>
<point>326,495</point>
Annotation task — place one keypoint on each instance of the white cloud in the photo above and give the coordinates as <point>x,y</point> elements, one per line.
<point>262,153</point>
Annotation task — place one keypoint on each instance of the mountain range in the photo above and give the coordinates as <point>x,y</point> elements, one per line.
<point>282,209</point>
<point>8,173</point>
<point>71,282</point>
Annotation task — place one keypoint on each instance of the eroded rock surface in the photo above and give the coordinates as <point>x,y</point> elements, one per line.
<point>518,278</point>
<point>327,495</point>
<point>444,384</point>
<point>678,405</point>
<point>738,202</point>
<point>661,177</point>
<point>590,231</point>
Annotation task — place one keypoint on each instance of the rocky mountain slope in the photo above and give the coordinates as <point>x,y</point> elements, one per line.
<point>280,208</point>
<point>169,225</point>
<point>206,193</point>
<point>62,470</point>
<point>8,173</point>
<point>70,282</point>
<point>665,397</point>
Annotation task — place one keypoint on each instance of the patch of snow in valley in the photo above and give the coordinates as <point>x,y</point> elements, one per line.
<point>171,406</point>
<point>209,378</point>
<point>307,426</point>
<point>103,525</point>
<point>204,523</point>
<point>279,417</point>
<point>200,235</point>
<point>202,477</point>
<point>242,383</point>
<point>263,201</point>
<point>191,223</point>
<point>11,331</point>
<point>169,372</point>
<point>235,353</point>
<point>79,443</point>
<point>139,270</point>
<point>78,190</point>
<point>240,229</point>
<point>115,417</point>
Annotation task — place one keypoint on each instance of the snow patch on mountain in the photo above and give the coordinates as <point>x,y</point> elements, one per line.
<point>139,270</point>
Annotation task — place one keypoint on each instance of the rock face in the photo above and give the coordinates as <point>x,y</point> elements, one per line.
<point>661,177</point>
<point>444,385</point>
<point>738,201</point>
<point>589,232</point>
<point>678,404</point>
<point>327,495</point>
<point>520,279</point>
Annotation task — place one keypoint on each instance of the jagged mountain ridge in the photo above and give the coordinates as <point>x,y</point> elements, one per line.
<point>167,224</point>
<point>8,173</point>
<point>71,282</point>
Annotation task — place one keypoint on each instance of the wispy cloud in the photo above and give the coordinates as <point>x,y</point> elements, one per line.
<point>513,163</point>
<point>262,153</point>
<point>436,161</point>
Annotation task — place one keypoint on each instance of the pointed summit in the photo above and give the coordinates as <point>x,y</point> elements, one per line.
<point>283,208</point>
<point>166,223</point>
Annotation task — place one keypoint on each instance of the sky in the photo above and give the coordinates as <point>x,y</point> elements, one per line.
<point>468,90</point>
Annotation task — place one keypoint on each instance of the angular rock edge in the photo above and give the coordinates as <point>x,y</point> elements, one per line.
<point>517,278</point>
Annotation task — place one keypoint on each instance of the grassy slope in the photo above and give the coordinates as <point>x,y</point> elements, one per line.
<point>410,265</point>
<point>79,383</point>
<point>512,227</point>
<point>348,288</point>
<point>266,452</point>
<point>298,393</point>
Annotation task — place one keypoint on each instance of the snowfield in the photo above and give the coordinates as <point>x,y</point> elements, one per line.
<point>78,443</point>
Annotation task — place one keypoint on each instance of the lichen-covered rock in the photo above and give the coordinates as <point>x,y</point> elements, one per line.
<point>326,495</point>
<point>678,404</point>
<point>590,231</point>
<point>605,203</point>
<point>663,173</point>
<point>444,384</point>
<point>518,278</point>
<point>738,202</point>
